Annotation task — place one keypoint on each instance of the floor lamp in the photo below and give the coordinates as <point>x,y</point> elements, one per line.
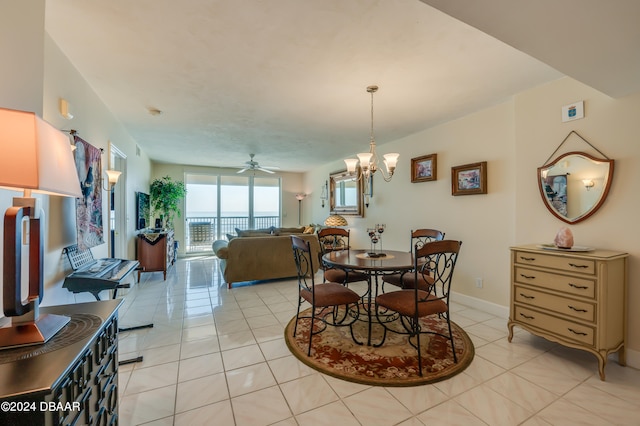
<point>300,197</point>
<point>35,157</point>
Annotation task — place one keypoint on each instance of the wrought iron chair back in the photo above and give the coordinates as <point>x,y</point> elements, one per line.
<point>434,264</point>
<point>330,302</point>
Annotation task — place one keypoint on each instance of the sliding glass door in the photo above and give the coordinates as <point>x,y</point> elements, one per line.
<point>218,204</point>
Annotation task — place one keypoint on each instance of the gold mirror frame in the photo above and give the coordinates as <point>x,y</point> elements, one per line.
<point>575,185</point>
<point>342,199</point>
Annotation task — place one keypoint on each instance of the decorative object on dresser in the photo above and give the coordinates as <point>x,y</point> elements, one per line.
<point>70,380</point>
<point>575,185</point>
<point>469,179</point>
<point>424,168</point>
<point>564,238</point>
<point>156,252</point>
<point>36,157</point>
<point>575,298</point>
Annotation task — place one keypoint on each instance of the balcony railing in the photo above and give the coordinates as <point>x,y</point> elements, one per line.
<point>201,232</point>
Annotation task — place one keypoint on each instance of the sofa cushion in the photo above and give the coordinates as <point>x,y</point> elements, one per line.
<point>254,232</point>
<point>288,231</point>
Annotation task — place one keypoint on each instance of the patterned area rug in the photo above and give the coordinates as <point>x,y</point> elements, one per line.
<point>395,363</point>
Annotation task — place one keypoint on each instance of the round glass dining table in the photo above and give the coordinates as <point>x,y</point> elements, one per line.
<point>391,262</point>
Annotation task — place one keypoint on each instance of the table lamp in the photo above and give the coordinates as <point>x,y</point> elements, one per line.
<point>35,157</point>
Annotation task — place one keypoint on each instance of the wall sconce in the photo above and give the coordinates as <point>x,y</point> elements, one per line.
<point>324,195</point>
<point>112,179</point>
<point>65,109</point>
<point>300,196</point>
<point>588,183</point>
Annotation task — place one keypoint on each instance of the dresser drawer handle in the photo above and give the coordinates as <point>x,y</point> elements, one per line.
<point>576,309</point>
<point>579,287</point>
<point>579,333</point>
<point>527,316</point>
<point>528,259</point>
<point>527,297</point>
<point>529,277</point>
<point>578,266</point>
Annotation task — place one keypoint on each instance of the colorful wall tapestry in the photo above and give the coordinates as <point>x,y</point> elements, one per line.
<point>89,206</point>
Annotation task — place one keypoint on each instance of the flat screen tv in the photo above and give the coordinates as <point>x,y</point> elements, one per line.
<point>142,210</point>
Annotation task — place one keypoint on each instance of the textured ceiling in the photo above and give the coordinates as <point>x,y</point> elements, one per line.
<point>284,79</point>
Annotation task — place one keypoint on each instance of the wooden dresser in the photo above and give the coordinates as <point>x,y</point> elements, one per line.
<point>70,380</point>
<point>156,252</point>
<point>577,299</point>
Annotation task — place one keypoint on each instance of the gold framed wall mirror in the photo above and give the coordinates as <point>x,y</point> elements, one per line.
<point>575,185</point>
<point>345,194</point>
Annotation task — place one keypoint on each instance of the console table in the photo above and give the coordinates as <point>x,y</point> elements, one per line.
<point>71,379</point>
<point>574,298</point>
<point>156,252</point>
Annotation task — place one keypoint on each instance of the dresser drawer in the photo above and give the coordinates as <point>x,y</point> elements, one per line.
<point>562,263</point>
<point>562,305</point>
<point>577,286</point>
<point>560,327</point>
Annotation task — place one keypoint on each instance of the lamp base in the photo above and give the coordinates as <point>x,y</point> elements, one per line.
<point>33,332</point>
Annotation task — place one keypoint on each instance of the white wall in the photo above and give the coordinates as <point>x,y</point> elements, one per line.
<point>612,126</point>
<point>37,75</point>
<point>484,223</point>
<point>515,138</point>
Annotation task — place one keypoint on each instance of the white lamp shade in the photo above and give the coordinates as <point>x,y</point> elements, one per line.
<point>365,158</point>
<point>391,160</point>
<point>113,175</point>
<point>35,155</point>
<point>335,220</point>
<point>351,163</point>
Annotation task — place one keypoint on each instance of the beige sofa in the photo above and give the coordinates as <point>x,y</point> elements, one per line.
<point>261,257</point>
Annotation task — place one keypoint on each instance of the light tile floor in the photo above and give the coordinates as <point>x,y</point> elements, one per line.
<point>217,356</point>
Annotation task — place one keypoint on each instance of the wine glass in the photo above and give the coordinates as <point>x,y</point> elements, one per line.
<point>380,227</point>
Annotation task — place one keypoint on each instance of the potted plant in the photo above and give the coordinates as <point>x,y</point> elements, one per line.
<point>166,195</point>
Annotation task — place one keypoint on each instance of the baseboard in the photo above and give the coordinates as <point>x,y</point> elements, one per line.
<point>482,305</point>
<point>633,357</point>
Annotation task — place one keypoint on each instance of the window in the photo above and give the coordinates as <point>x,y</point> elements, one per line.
<point>218,204</point>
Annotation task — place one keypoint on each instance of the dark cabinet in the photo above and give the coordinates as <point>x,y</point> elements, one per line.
<point>70,380</point>
<point>156,252</point>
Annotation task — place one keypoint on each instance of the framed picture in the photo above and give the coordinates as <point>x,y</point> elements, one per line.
<point>469,179</point>
<point>424,168</point>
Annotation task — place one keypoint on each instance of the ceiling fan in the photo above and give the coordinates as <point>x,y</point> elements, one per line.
<point>254,165</point>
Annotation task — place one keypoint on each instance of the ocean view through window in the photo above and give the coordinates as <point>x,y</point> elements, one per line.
<point>218,204</point>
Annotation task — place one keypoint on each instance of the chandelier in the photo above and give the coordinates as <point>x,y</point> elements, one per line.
<point>369,161</point>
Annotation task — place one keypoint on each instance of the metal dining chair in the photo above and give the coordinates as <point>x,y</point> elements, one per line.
<point>330,302</point>
<point>419,238</point>
<point>332,239</point>
<point>434,263</point>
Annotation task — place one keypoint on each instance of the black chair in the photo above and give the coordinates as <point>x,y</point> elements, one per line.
<point>330,302</point>
<point>419,238</point>
<point>332,239</point>
<point>434,263</point>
